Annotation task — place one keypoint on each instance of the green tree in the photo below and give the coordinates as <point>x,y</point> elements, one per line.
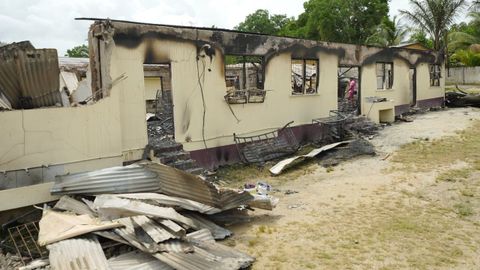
<point>434,17</point>
<point>349,21</point>
<point>421,37</point>
<point>468,58</point>
<point>262,22</point>
<point>388,33</point>
<point>464,35</point>
<point>78,51</point>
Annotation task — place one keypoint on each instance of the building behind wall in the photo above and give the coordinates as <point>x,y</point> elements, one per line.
<point>295,79</point>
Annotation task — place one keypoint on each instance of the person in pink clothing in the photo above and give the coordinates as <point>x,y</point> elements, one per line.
<point>352,85</point>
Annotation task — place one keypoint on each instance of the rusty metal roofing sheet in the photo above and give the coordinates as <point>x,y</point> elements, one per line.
<point>203,223</point>
<point>172,201</point>
<point>77,253</point>
<point>208,256</point>
<point>29,77</point>
<point>150,177</point>
<point>123,179</point>
<point>69,204</point>
<point>137,237</point>
<point>111,207</point>
<point>203,235</point>
<point>157,232</point>
<point>181,184</point>
<point>137,260</point>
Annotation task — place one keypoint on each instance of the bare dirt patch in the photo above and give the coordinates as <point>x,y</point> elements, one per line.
<point>417,209</point>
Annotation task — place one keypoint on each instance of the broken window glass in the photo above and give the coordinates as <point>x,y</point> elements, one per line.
<point>244,78</point>
<point>304,76</point>
<point>435,75</point>
<point>384,75</point>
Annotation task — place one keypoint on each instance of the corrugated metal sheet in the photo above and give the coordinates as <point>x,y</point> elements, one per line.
<point>203,235</point>
<point>77,253</point>
<point>278,168</point>
<point>184,185</point>
<point>150,177</point>
<point>137,261</point>
<point>203,223</point>
<point>172,201</point>
<point>132,178</point>
<point>153,229</point>
<point>69,204</point>
<point>110,207</point>
<point>29,77</point>
<point>137,237</point>
<point>207,256</point>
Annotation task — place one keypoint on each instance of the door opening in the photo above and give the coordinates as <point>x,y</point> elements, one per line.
<point>349,89</point>
<point>159,104</point>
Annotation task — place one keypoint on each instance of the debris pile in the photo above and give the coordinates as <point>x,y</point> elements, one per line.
<point>461,99</point>
<point>356,148</point>
<point>361,126</point>
<point>166,149</point>
<point>257,149</point>
<point>158,216</point>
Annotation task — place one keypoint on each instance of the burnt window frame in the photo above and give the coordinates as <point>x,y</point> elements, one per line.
<point>245,94</point>
<point>304,75</point>
<point>435,75</point>
<point>384,76</point>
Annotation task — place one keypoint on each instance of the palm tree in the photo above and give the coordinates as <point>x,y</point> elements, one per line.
<point>462,40</point>
<point>388,33</point>
<point>434,17</point>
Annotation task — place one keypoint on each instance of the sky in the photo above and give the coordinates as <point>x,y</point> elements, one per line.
<point>52,24</point>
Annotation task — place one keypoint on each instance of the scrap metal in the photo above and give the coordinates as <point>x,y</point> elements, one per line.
<point>29,77</point>
<point>122,179</point>
<point>267,146</point>
<point>23,237</point>
<point>77,253</point>
<point>172,201</point>
<point>149,222</point>
<point>136,260</point>
<point>280,166</point>
<point>110,207</point>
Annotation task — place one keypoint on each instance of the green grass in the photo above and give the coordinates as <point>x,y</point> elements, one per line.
<point>455,175</point>
<point>425,155</point>
<point>463,209</point>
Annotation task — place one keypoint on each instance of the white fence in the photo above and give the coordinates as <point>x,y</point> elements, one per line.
<point>463,75</point>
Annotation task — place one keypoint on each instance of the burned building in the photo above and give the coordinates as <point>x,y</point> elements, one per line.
<point>221,82</point>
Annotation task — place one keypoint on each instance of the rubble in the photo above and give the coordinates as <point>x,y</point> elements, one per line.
<point>355,148</point>
<point>9,261</point>
<point>361,126</point>
<point>174,227</point>
<point>267,146</point>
